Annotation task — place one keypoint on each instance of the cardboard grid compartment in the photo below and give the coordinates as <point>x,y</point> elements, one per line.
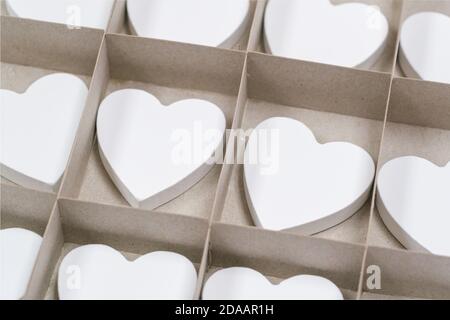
<point>378,109</point>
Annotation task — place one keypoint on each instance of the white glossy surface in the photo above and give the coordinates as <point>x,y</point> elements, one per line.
<point>38,129</point>
<point>301,184</point>
<point>218,23</point>
<point>99,272</point>
<point>18,252</point>
<point>84,13</point>
<point>153,152</point>
<point>414,202</point>
<point>425,46</point>
<point>350,34</point>
<point>247,284</point>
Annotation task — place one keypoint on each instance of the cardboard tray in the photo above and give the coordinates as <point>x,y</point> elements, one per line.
<point>378,109</point>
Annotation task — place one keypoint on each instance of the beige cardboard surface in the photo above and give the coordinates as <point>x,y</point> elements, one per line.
<point>232,148</point>
<point>73,177</point>
<point>318,86</point>
<point>410,274</point>
<point>118,17</point>
<point>348,294</point>
<point>132,230</point>
<point>420,103</point>
<point>25,208</point>
<point>337,103</point>
<point>390,8</point>
<point>175,65</point>
<point>379,235</point>
<point>52,243</point>
<point>374,296</point>
<point>28,42</point>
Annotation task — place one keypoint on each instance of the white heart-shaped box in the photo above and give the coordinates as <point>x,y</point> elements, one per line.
<point>425,46</point>
<point>216,23</point>
<point>19,249</point>
<point>349,34</point>
<point>152,152</point>
<point>38,129</point>
<point>82,13</point>
<point>299,184</point>
<point>247,284</point>
<point>414,202</point>
<point>99,272</point>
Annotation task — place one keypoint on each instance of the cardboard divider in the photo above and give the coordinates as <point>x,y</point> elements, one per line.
<point>25,208</point>
<point>118,17</point>
<point>120,24</point>
<point>171,72</point>
<point>390,8</point>
<point>406,275</point>
<point>237,246</point>
<point>52,244</point>
<point>352,110</point>
<point>411,7</point>
<point>418,124</point>
<point>134,232</point>
<point>49,45</point>
<point>231,149</point>
<point>84,141</point>
<point>225,174</point>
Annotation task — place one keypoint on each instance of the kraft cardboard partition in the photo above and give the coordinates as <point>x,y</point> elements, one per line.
<point>280,255</point>
<point>25,208</point>
<point>120,23</point>
<point>390,8</point>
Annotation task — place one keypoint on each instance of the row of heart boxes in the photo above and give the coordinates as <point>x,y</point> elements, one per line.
<point>154,153</point>
<point>99,272</point>
<point>300,29</point>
